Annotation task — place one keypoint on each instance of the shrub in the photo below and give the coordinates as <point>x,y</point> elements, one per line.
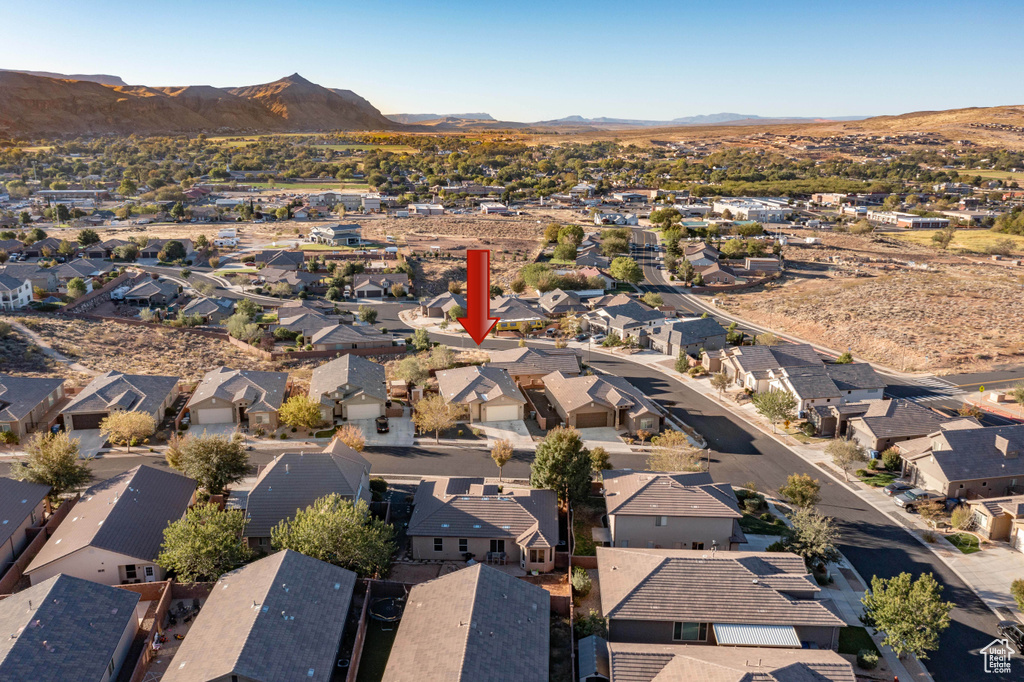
<point>892,460</point>
<point>378,485</point>
<point>581,584</point>
<point>9,438</point>
<point>777,546</point>
<point>283,436</point>
<point>808,429</point>
<point>929,537</point>
<point>867,659</point>
<point>873,464</point>
<point>1017,590</point>
<point>767,516</point>
<point>753,503</point>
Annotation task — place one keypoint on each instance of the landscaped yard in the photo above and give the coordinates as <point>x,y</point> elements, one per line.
<point>224,272</point>
<point>876,479</point>
<point>751,523</point>
<point>965,542</point>
<point>852,639</point>
<point>376,649</point>
<point>586,517</point>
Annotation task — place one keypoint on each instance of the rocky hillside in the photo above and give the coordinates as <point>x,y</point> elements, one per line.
<point>39,105</point>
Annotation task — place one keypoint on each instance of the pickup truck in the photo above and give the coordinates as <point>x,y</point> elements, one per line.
<point>912,498</point>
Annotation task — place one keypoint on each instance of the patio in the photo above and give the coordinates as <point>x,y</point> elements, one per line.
<point>162,660</point>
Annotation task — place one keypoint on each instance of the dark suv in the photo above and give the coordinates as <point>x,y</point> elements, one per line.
<point>382,425</point>
<point>1012,631</point>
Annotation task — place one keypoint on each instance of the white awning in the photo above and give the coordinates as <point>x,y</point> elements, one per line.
<point>732,634</point>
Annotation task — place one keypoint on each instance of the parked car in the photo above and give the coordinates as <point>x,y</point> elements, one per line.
<point>897,488</point>
<point>912,498</point>
<point>550,331</point>
<point>1012,631</point>
<point>582,337</point>
<point>382,425</point>
<point>598,338</point>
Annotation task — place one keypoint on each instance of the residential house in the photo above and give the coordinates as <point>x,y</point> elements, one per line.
<point>1000,519</point>
<point>596,271</point>
<point>297,280</point>
<point>305,321</point>
<point>701,255</point>
<point>343,337</point>
<point>748,366</point>
<point>153,247</point>
<point>488,393</point>
<point>103,250</point>
<point>349,388</point>
<point>557,303</point>
<point>296,480</point>
<point>592,259</point>
<point>26,401</point>
<point>336,235</point>
<point>114,534</point>
<point>601,401</point>
<point>378,286</point>
<point>83,268</point>
<point>43,248</point>
<point>967,461</point>
<point>15,293</point>
<point>688,335</point>
<point>511,312</point>
<point>239,396</point>
<point>116,391</point>
<point>604,218</point>
<point>738,599</point>
<point>529,366</point>
<point>211,310</point>
<point>22,506</point>
<point>718,274</point>
<point>152,293</point>
<point>280,618</point>
<point>39,278</point>
<point>609,301</point>
<point>478,624</point>
<point>440,305</point>
<point>280,259</point>
<point>670,510</point>
<point>66,628</point>
<point>493,208</point>
<point>629,319</point>
<point>887,422</point>
<point>629,662</point>
<point>12,246</point>
<point>454,519</point>
<point>814,385</point>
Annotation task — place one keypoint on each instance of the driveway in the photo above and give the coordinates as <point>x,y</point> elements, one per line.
<point>605,437</point>
<point>90,442</point>
<point>513,431</point>
<point>399,435</point>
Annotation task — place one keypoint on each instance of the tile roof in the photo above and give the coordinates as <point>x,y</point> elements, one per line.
<point>20,395</point>
<point>208,306</point>
<point>755,358</point>
<point>698,586</point>
<point>466,508</point>
<point>688,331</point>
<point>964,454</point>
<point>517,361</point>
<point>655,493</point>
<point>17,500</point>
<point>133,392</point>
<point>125,514</point>
<point>898,418</point>
<point>64,628</point>
<point>613,392</point>
<point>854,376</point>
<point>279,618</point>
<point>265,391</point>
<point>477,384</point>
<point>476,624</point>
<point>8,283</point>
<point>294,481</point>
<point>693,663</point>
<point>351,333</point>
<point>362,375</point>
<point>558,301</point>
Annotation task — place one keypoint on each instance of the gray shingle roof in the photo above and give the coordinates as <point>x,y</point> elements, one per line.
<point>446,301</point>
<point>64,628</point>
<point>280,257</point>
<point>265,391</point>
<point>593,657</point>
<point>82,267</point>
<point>294,481</point>
<point>306,322</point>
<point>208,306</point>
<point>477,384</point>
<point>900,419</point>
<point>476,624</point>
<point>126,514</point>
<point>629,314</point>
<point>20,395</point>
<point>362,375</point>
<point>689,331</point>
<point>614,392</point>
<point>698,586</point>
<point>810,382</point>
<point>964,454</point>
<point>17,500</point>
<point>754,358</point>
<point>654,493</point>
<point>279,618</point>
<point>558,301</point>
<point>512,309</point>
<point>153,287</point>
<point>384,281</point>
<point>133,392</point>
<point>9,283</point>
<point>517,361</point>
<point>348,333</point>
<point>854,376</point>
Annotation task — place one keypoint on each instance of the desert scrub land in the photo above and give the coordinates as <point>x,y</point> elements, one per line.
<point>20,356</point>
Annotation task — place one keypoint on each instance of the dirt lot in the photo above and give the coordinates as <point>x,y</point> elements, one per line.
<point>859,293</point>
<point>20,356</point>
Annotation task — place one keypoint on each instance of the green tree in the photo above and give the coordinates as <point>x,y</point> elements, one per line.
<point>65,248</point>
<point>52,459</point>
<point>613,246</point>
<point>766,339</point>
<point>282,213</point>
<point>814,537</point>
<point>518,285</point>
<point>1017,393</point>
<point>335,530</point>
<point>501,453</point>
<point>600,460</point>
<point>944,237</point>
<point>248,308</point>
<point>844,359</point>
<point>127,188</point>
<point>204,545</point>
<point>214,462</point>
<point>240,327</point>
<point>76,288</point>
<point>455,312</point>
<point>846,453</point>
<point>421,339</point>
<point>367,314</point>
<point>562,463</point>
<point>653,299</point>
<point>411,370</point>
<point>442,357</point>
<point>565,252</point>
<point>775,406</point>
<point>665,217</point>
<point>801,490</point>
<point>300,412</point>
<point>720,382</point>
<point>625,269</point>
<point>910,613</point>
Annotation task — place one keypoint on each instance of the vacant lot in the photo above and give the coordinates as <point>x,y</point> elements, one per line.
<point>19,355</point>
<point>971,241</point>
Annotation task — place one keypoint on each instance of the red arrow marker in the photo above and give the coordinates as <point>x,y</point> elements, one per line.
<point>478,321</point>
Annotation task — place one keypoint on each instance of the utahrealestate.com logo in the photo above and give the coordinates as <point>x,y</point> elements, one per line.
<point>996,657</point>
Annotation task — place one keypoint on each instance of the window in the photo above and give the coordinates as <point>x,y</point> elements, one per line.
<point>463,545</point>
<point>110,667</point>
<point>690,632</point>
<point>497,545</point>
<point>660,520</point>
<point>697,545</point>
<point>438,544</point>
<point>646,424</point>
<point>129,572</point>
<point>538,556</point>
<point>262,542</point>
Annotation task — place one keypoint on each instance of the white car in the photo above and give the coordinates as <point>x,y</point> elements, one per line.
<point>598,338</point>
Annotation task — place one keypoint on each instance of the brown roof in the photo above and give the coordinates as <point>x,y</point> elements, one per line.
<point>655,493</point>
<point>477,384</point>
<point>572,393</point>
<point>477,624</point>
<point>751,588</point>
<point>536,361</point>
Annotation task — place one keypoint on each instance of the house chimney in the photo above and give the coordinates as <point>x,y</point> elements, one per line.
<point>1004,446</point>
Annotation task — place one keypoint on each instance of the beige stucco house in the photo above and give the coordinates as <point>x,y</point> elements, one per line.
<point>597,401</point>
<point>239,396</point>
<point>488,393</point>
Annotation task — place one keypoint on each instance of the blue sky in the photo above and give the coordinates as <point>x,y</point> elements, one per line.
<point>529,60</point>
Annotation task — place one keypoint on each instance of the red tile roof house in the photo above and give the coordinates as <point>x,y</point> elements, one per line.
<point>456,517</point>
<point>489,393</point>
<point>739,599</point>
<point>670,510</point>
<point>113,535</point>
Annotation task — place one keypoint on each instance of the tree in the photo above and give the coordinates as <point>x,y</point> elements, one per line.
<point>300,411</point>
<point>52,459</point>
<point>434,413</point>
<point>397,290</point>
<point>1017,393</point>
<point>682,362</point>
<point>213,461</point>
<point>562,463</point>
<point>127,427</point>
<point>411,370</point>
<point>653,299</point>
<point>815,537</point>
<point>570,325</point>
<point>565,252</point>
<point>801,490</point>
<point>845,453</point>
<point>340,532</point>
<point>551,232</point>
<point>625,269</point>
<point>4,256</point>
<point>501,453</point>
<point>571,234</point>
<point>421,339</point>
<point>127,188</point>
<point>1017,590</point>
<point>720,382</point>
<point>442,357</point>
<point>775,406</point>
<point>204,545</point>
<point>944,237</point>
<point>455,287</point>
<point>844,359</point>
<point>613,246</point>
<point>76,288</point>
<point>862,227</point>
<point>282,213</point>
<point>240,327</point>
<point>333,294</point>
<point>518,285</point>
<point>352,436</point>
<point>249,308</point>
<point>673,451</point>
<point>455,312</point>
<point>600,460</point>
<point>911,614</point>
<point>766,339</point>
<point>367,314</point>
<point>172,251</point>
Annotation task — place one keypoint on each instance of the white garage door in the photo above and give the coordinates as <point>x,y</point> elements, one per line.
<point>216,415</point>
<point>501,413</point>
<point>367,411</point>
